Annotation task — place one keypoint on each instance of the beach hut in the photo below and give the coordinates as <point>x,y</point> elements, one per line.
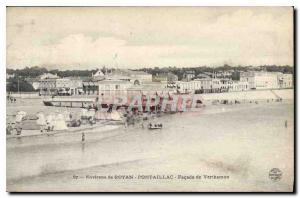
<point>59,123</point>
<point>20,115</point>
<point>29,122</point>
<point>101,115</point>
<point>41,119</point>
<point>114,115</point>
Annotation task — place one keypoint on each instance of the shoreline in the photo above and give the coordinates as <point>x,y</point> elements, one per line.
<point>102,126</point>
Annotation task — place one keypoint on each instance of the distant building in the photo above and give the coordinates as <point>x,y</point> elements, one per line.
<point>113,87</point>
<point>35,82</point>
<point>99,75</point>
<point>249,78</point>
<point>150,88</point>
<point>225,84</point>
<point>50,84</point>
<point>142,77</point>
<point>48,76</point>
<point>63,86</point>
<point>204,75</point>
<point>76,85</point>
<point>165,77</point>
<point>223,74</point>
<point>200,85</point>
<point>160,78</point>
<point>136,77</point>
<point>8,76</point>
<point>266,80</point>
<point>238,86</point>
<point>90,87</point>
<point>189,75</point>
<point>69,86</point>
<point>285,80</point>
<point>47,86</point>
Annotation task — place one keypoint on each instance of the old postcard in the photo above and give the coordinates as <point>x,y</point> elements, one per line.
<point>150,99</point>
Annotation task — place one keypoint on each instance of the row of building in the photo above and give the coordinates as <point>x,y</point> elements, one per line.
<point>121,82</point>
<point>216,82</point>
<point>117,81</point>
<point>267,80</point>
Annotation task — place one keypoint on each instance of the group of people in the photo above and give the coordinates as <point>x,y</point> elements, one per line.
<point>11,99</point>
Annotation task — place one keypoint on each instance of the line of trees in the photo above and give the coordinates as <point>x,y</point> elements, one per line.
<point>18,84</point>
<point>33,72</point>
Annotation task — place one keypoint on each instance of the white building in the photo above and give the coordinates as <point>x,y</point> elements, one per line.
<point>238,86</point>
<point>266,80</point>
<point>223,74</point>
<point>98,75</point>
<point>136,77</point>
<point>201,85</point>
<point>113,87</point>
<point>47,86</point>
<point>8,76</point>
<point>141,76</point>
<point>189,75</point>
<point>48,76</point>
<point>249,78</point>
<point>34,82</point>
<point>150,88</point>
<point>225,84</point>
<point>211,85</point>
<point>285,80</point>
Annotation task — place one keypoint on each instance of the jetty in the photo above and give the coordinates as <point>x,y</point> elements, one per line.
<point>69,102</point>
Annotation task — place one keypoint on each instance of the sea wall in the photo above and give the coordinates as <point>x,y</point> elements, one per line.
<point>285,94</point>
<point>25,95</point>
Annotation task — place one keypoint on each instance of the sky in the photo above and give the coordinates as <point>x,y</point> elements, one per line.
<point>137,37</point>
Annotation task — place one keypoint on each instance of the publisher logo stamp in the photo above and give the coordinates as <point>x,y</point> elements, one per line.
<point>275,174</point>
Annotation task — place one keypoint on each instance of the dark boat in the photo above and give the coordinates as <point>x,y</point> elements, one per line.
<point>154,126</point>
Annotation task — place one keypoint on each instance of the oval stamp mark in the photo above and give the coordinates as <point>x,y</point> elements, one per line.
<point>275,174</point>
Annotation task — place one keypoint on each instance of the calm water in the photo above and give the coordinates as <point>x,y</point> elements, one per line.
<point>242,141</point>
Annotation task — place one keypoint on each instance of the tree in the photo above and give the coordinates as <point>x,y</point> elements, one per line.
<point>13,85</point>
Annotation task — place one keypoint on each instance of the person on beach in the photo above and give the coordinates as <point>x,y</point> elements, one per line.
<point>285,123</point>
<point>9,129</point>
<point>19,130</point>
<point>83,137</point>
<point>142,124</point>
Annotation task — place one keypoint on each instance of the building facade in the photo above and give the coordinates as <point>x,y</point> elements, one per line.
<point>69,86</point>
<point>266,80</point>
<point>47,86</point>
<point>165,77</point>
<point>238,86</point>
<point>113,87</point>
<point>249,78</point>
<point>136,77</point>
<point>189,75</point>
<point>201,85</point>
<point>48,76</point>
<point>285,81</point>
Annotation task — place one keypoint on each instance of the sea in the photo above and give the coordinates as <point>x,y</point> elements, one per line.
<point>218,148</point>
